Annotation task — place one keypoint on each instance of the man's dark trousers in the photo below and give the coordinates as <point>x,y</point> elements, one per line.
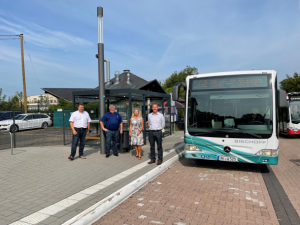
<point>111,135</point>
<point>81,133</point>
<point>156,136</point>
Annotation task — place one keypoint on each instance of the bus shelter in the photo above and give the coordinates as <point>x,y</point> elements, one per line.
<point>125,101</point>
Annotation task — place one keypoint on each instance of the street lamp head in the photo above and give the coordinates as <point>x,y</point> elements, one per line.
<point>99,12</point>
<point>100,24</point>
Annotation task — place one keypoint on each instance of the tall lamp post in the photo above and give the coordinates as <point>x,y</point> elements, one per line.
<point>101,74</point>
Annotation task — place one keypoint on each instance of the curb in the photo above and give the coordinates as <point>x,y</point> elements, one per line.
<point>98,210</point>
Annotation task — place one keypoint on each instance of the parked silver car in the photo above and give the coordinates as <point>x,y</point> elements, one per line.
<point>26,121</point>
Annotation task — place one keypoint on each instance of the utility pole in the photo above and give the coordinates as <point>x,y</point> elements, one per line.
<point>23,74</point>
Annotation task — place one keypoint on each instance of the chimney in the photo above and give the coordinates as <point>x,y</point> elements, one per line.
<point>126,71</point>
<point>128,78</point>
<point>107,71</point>
<point>117,76</point>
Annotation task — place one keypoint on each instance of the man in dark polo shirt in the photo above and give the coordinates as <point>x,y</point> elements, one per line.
<point>112,121</point>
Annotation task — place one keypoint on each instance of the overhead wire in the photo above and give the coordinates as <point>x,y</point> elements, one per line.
<point>32,64</point>
<point>9,35</point>
<point>8,38</point>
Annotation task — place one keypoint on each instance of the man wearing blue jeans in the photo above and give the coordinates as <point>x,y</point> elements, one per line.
<point>80,124</point>
<point>112,121</point>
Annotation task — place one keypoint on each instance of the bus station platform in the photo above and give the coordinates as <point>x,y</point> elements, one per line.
<point>41,186</point>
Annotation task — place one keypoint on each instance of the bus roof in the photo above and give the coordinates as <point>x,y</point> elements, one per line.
<point>254,72</point>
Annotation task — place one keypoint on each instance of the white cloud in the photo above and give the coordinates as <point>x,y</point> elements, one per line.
<point>41,36</point>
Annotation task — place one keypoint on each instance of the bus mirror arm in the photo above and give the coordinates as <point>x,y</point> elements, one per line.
<point>281,97</point>
<point>176,90</point>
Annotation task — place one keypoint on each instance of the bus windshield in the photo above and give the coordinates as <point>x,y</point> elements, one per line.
<point>231,113</point>
<point>295,111</point>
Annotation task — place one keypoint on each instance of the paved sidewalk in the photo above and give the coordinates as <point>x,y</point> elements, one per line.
<point>288,169</point>
<point>35,178</point>
<point>199,192</point>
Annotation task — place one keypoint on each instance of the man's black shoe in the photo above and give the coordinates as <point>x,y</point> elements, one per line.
<point>116,154</point>
<point>107,156</point>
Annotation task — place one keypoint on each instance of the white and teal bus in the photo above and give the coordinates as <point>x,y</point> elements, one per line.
<point>232,116</point>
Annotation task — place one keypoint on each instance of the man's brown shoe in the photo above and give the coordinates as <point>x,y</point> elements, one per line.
<point>159,163</point>
<point>82,157</point>
<point>151,162</point>
<point>70,157</point>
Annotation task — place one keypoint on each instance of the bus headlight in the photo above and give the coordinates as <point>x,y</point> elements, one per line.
<point>267,152</point>
<point>293,128</point>
<point>192,148</point>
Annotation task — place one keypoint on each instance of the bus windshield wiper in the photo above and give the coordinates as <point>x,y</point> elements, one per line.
<point>251,134</point>
<point>241,131</point>
<point>209,132</point>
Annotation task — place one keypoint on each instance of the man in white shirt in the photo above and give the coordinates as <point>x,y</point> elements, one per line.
<point>156,123</point>
<point>80,124</point>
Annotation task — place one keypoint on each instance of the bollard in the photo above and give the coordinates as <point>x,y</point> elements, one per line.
<point>11,144</point>
<point>14,124</point>
<point>64,131</point>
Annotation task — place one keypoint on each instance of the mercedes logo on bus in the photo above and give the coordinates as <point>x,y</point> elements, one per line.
<point>227,149</point>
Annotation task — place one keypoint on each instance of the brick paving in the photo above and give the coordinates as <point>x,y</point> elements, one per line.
<point>288,169</point>
<point>34,178</point>
<point>199,192</point>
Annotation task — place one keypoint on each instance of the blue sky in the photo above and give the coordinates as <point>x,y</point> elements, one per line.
<point>151,38</point>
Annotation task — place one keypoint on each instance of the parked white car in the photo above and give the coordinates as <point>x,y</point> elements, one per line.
<point>26,121</point>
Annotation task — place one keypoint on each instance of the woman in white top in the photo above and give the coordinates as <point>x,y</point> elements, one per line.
<point>135,132</point>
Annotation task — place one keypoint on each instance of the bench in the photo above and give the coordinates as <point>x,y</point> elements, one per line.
<point>93,137</point>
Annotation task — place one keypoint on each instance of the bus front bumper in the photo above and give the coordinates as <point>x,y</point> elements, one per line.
<point>271,160</point>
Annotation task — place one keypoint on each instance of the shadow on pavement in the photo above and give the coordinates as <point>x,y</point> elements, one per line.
<point>211,164</point>
<point>281,136</point>
<point>295,161</point>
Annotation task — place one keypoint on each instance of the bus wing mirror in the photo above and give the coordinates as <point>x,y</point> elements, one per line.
<point>176,90</point>
<point>282,102</point>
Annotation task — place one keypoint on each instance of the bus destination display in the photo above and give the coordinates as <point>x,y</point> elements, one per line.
<point>230,82</point>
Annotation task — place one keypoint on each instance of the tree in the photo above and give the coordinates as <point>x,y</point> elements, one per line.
<point>43,102</point>
<point>178,77</point>
<point>2,99</point>
<point>62,104</point>
<point>12,103</point>
<point>291,84</point>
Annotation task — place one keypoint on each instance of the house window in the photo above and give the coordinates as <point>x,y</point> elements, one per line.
<point>51,100</point>
<point>35,100</point>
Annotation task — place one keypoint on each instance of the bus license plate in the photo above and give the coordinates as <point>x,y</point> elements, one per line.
<point>227,159</point>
